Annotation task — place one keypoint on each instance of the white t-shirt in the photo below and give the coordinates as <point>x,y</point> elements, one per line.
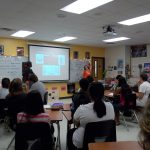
<point>39,86</point>
<point>86,114</point>
<point>145,89</point>
<point>3,93</point>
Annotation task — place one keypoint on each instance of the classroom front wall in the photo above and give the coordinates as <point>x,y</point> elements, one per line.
<point>10,46</point>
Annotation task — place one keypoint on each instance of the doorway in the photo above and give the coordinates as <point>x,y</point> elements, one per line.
<point>98,65</point>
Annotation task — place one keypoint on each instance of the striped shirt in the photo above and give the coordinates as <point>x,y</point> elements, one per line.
<point>24,118</point>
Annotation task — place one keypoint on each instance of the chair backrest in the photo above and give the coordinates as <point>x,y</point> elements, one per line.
<point>102,131</point>
<point>45,98</point>
<point>26,132</point>
<point>130,101</point>
<point>2,107</point>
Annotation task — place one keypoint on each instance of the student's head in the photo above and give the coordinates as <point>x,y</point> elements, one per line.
<point>90,79</point>
<point>117,78</point>
<point>15,87</point>
<point>33,78</point>
<point>5,83</point>
<point>122,81</point>
<point>34,103</point>
<point>86,67</point>
<point>84,84</point>
<point>96,92</point>
<point>143,77</point>
<point>145,128</point>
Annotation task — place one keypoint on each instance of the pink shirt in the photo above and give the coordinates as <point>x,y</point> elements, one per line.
<point>24,118</point>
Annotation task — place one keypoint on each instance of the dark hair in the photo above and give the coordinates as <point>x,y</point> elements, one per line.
<point>144,77</point>
<point>15,86</point>
<point>34,103</point>
<point>5,83</point>
<point>33,78</point>
<point>85,67</point>
<point>90,79</point>
<point>84,84</point>
<point>96,92</point>
<point>118,76</point>
<point>125,89</point>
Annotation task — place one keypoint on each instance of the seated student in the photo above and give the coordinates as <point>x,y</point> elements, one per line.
<point>33,111</point>
<point>36,85</point>
<point>82,96</point>
<point>115,86</point>
<point>144,91</point>
<point>122,92</point>
<point>144,135</point>
<point>4,90</point>
<point>97,110</point>
<point>90,79</point>
<point>15,100</point>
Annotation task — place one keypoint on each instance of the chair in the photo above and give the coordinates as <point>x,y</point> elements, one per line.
<point>102,131</point>
<point>45,98</point>
<point>31,132</point>
<point>130,106</point>
<point>2,109</point>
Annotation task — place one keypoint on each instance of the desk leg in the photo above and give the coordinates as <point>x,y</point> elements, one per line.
<point>58,144</point>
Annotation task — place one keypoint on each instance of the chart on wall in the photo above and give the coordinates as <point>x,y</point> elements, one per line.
<point>11,66</point>
<point>76,69</point>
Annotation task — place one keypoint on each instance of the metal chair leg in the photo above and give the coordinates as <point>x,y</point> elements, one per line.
<point>10,143</point>
<point>136,116</point>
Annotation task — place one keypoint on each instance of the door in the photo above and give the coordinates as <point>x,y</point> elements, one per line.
<point>98,64</point>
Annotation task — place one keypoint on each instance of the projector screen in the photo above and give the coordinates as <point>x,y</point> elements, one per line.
<point>50,63</point>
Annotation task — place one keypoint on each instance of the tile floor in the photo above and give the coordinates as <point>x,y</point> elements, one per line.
<point>122,133</point>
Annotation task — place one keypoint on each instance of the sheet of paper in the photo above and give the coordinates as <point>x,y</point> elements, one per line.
<point>111,94</point>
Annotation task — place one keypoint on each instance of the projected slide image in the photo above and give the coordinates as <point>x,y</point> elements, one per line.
<point>51,70</point>
<point>61,60</point>
<point>39,59</point>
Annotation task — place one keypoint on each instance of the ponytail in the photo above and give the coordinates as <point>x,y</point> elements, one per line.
<point>100,108</point>
<point>96,91</point>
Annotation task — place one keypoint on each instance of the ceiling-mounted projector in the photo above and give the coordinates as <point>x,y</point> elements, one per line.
<point>109,30</point>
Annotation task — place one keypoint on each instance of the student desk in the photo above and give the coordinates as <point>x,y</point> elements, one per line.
<point>122,145</point>
<point>56,116</point>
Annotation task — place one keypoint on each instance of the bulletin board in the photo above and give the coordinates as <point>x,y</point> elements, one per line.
<point>11,66</point>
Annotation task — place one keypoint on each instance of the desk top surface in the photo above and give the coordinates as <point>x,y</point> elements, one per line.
<point>55,115</point>
<point>66,107</point>
<point>122,145</point>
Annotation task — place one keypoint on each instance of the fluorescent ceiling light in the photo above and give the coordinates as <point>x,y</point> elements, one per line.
<point>137,20</point>
<point>22,33</point>
<point>116,39</point>
<point>65,38</point>
<point>81,6</point>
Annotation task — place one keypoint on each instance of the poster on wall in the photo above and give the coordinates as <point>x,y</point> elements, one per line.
<point>120,64</point>
<point>75,55</point>
<point>139,51</point>
<point>20,51</point>
<point>87,55</point>
<point>1,49</point>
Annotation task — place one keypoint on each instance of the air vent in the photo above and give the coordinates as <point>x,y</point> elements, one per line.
<point>7,29</point>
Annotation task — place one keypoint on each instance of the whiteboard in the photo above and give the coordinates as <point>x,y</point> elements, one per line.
<point>11,66</point>
<point>76,69</point>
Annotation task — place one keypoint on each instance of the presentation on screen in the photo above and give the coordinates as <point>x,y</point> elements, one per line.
<point>50,63</point>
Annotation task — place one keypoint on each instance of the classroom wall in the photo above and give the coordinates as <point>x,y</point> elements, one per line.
<point>112,54</point>
<point>139,60</point>
<point>10,46</point>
